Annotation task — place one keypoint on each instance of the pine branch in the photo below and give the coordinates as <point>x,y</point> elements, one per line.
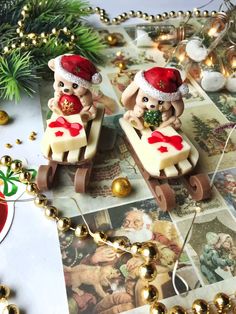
<point>16,75</point>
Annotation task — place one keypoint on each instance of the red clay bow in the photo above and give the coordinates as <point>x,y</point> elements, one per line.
<point>73,128</point>
<point>175,140</point>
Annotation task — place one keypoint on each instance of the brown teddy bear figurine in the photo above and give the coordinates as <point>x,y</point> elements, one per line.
<point>154,98</point>
<point>73,76</point>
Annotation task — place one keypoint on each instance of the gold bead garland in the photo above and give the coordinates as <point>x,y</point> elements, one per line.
<point>26,40</point>
<point>104,18</point>
<point>4,295</point>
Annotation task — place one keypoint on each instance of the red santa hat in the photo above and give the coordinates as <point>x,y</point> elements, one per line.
<point>161,83</point>
<point>77,69</point>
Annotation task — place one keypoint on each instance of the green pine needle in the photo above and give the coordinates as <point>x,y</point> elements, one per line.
<point>16,75</point>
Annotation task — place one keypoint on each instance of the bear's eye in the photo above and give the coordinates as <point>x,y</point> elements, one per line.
<point>145,99</point>
<point>160,102</point>
<point>75,86</point>
<point>61,84</point>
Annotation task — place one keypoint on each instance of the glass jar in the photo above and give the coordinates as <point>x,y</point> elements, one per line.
<point>161,34</point>
<point>229,63</point>
<point>212,76</point>
<point>179,59</point>
<point>209,36</point>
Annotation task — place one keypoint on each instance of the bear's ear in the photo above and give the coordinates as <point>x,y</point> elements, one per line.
<point>51,64</point>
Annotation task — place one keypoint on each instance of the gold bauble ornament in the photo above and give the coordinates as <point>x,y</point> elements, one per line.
<point>121,187</point>
<point>6,161</point>
<point>81,231</point>
<point>51,212</point>
<point>122,65</point>
<point>4,117</point>
<point>177,310</point>
<point>197,13</point>
<point>31,188</point>
<point>120,244</point>
<point>16,166</point>
<point>152,18</point>
<point>111,40</point>
<point>132,13</point>
<point>63,224</point>
<point>149,294</point>
<point>148,271</point>
<point>4,292</point>
<point>40,200</point>
<point>172,14</point>
<point>158,308</point>
<point>149,251</point>
<point>99,237</point>
<point>25,176</point>
<point>222,301</point>
<point>200,306</point>
<point>135,248</point>
<point>139,13</point>
<point>11,309</point>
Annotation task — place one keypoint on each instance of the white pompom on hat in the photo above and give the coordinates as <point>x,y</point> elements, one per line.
<point>77,69</point>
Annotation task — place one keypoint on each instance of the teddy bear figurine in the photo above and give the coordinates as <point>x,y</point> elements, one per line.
<point>154,98</point>
<point>73,77</point>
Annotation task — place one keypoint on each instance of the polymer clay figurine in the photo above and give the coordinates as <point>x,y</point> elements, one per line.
<point>154,98</point>
<point>152,128</point>
<point>73,131</point>
<point>73,77</point>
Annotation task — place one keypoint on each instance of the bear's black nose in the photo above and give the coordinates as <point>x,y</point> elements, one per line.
<point>152,106</point>
<point>66,90</point>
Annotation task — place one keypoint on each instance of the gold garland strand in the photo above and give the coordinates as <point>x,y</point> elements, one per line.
<point>27,40</point>
<point>147,250</point>
<point>4,295</point>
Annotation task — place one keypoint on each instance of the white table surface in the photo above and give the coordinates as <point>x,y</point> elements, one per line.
<point>30,260</point>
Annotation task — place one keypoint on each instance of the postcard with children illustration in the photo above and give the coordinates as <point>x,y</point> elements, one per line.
<point>100,279</point>
<point>212,245</point>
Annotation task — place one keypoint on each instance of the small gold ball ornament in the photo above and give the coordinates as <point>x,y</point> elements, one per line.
<point>111,40</point>
<point>99,237</point>
<point>121,187</point>
<point>8,145</point>
<point>25,176</point>
<point>115,21</point>
<point>158,17</point>
<point>40,200</point>
<point>63,224</point>
<point>165,15</point>
<point>16,166</point>
<point>197,13</point>
<point>148,271</point>
<point>213,13</point>
<point>81,231</point>
<point>6,161</point>
<point>31,188</point>
<point>152,18</point>
<point>149,294</point>
<point>145,16</point>
<point>135,248</point>
<point>188,13</point>
<point>149,251</point>
<point>120,244</point>
<point>222,301</point>
<point>131,13</point>
<point>158,308</point>
<point>180,13</point>
<point>177,310</point>
<point>200,306</point>
<point>139,13</point>
<point>4,292</point>
<point>122,65</point>
<point>172,14</point>
<point>4,117</point>
<point>11,309</point>
<point>51,212</point>
<point>205,13</point>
